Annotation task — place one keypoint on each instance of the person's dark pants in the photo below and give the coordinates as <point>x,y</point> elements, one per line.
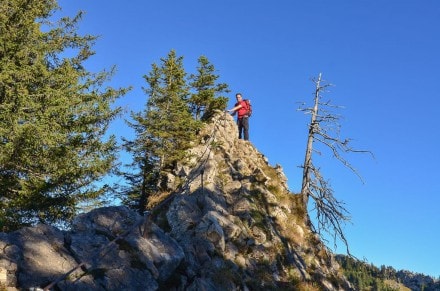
<point>243,127</point>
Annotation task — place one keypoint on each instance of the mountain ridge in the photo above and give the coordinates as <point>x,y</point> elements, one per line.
<point>229,222</point>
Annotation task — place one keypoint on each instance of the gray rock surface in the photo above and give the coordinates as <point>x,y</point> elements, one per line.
<point>107,242</point>
<point>232,225</point>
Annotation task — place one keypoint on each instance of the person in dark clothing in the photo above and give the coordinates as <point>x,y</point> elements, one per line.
<point>241,108</point>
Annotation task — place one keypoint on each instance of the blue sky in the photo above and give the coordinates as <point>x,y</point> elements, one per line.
<point>383,59</point>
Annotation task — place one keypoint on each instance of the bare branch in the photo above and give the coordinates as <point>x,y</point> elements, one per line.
<point>324,128</point>
<point>331,213</point>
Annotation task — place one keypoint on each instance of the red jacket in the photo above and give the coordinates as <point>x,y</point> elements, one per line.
<point>243,110</point>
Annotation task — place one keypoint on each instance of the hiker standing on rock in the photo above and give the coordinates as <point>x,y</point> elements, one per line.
<point>242,108</point>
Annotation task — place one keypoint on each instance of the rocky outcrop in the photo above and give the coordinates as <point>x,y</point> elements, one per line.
<point>231,225</point>
<point>104,251</point>
<point>417,281</point>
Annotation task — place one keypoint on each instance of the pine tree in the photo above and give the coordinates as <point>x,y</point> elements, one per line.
<point>164,130</point>
<point>144,176</point>
<point>206,98</point>
<point>169,120</point>
<point>53,116</point>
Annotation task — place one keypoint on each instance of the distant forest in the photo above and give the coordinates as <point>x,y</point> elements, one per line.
<point>365,276</point>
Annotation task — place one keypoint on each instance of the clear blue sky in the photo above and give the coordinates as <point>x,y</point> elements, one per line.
<point>383,58</point>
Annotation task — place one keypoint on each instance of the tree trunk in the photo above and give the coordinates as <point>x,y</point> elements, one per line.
<point>309,149</point>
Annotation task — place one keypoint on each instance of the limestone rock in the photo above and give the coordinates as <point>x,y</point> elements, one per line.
<point>232,225</point>
<point>107,241</point>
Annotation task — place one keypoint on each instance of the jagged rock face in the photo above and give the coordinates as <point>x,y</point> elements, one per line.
<point>232,225</point>
<point>238,224</point>
<point>35,257</point>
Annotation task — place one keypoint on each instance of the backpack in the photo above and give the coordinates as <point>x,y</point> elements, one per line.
<point>249,107</point>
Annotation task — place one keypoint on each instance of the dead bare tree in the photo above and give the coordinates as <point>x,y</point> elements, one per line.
<point>324,128</point>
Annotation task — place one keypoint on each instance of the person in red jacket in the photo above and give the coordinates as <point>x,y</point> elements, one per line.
<point>241,108</point>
